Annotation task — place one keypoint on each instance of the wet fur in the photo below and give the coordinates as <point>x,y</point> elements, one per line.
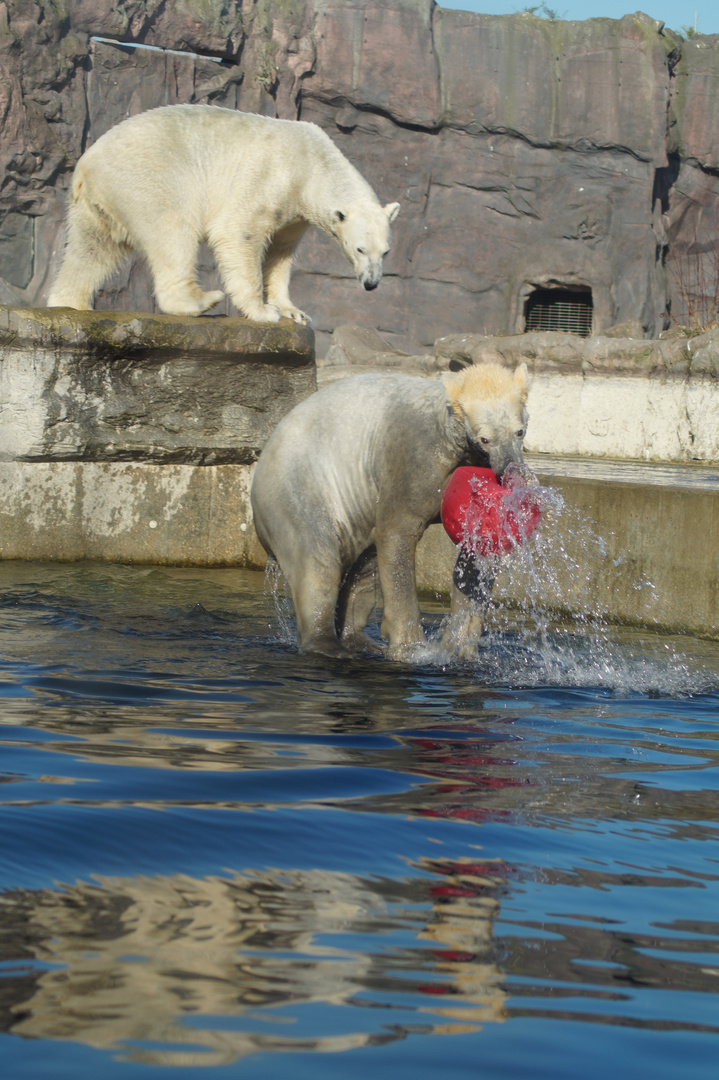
<point>352,477</point>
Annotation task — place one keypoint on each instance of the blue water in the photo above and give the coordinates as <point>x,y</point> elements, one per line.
<point>222,858</point>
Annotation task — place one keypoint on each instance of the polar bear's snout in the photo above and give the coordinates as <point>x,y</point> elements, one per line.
<point>497,442</point>
<point>367,270</point>
<point>504,454</point>
<point>371,275</point>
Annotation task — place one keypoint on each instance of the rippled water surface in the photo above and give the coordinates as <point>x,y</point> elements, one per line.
<point>222,858</point>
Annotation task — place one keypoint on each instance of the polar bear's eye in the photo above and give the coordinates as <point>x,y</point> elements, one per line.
<point>361,251</point>
<point>484,441</point>
<point>520,433</point>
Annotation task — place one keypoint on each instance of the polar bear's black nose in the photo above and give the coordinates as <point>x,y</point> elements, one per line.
<point>369,285</point>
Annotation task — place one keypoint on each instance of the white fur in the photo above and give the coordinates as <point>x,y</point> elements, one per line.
<point>165,181</point>
<point>361,465</point>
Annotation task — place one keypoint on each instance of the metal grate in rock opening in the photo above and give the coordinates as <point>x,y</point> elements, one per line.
<point>568,310</point>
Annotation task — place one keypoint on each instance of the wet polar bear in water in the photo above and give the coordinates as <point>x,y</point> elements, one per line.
<point>353,475</point>
<point>167,180</point>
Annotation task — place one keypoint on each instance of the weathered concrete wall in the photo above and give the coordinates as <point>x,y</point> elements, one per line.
<point>180,515</point>
<point>525,152</point>
<point>133,438</point>
<point>624,418</point>
<point>99,386</point>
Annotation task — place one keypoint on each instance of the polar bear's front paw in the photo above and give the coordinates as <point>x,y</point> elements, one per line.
<point>296,315</point>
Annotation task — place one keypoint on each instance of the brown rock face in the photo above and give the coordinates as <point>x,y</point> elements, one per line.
<point>526,153</point>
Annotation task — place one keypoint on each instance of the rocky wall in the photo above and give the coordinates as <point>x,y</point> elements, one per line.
<point>525,152</point>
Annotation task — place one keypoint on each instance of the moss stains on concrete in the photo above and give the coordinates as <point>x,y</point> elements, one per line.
<point>116,332</point>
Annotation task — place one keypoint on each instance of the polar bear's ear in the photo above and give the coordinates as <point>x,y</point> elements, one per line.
<point>453,384</point>
<point>521,377</point>
<point>391,210</point>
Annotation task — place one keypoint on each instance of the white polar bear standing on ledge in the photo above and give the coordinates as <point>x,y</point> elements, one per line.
<point>165,181</point>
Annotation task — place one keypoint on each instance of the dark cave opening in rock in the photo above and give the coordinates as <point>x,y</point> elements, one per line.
<point>565,309</point>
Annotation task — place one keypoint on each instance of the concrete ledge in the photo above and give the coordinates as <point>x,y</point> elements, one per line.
<point>117,386</point>
<point>132,438</point>
<point>184,515</point>
<point>674,354</point>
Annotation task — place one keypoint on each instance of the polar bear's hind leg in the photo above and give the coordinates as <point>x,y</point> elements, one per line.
<point>92,251</point>
<point>314,584</point>
<point>358,597</point>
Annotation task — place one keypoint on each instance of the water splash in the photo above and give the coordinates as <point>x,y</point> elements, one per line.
<point>543,624</point>
<point>540,624</point>
<point>278,590</point>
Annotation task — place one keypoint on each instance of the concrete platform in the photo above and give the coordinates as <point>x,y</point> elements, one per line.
<point>132,438</point>
<point>117,386</point>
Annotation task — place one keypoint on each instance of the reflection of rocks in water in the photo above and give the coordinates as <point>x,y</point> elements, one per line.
<point>143,960</point>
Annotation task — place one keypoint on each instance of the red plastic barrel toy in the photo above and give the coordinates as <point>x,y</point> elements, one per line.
<point>486,517</point>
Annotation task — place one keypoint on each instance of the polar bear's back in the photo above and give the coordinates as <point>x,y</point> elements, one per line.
<point>191,131</point>
<point>355,418</point>
<point>199,156</point>
<point>345,450</point>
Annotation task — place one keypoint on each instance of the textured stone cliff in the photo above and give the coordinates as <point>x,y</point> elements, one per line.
<point>526,153</point>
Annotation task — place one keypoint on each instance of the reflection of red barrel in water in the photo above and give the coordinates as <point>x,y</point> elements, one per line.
<point>485,517</point>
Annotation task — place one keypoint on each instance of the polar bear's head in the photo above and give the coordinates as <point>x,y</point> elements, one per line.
<point>491,402</point>
<point>364,232</point>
